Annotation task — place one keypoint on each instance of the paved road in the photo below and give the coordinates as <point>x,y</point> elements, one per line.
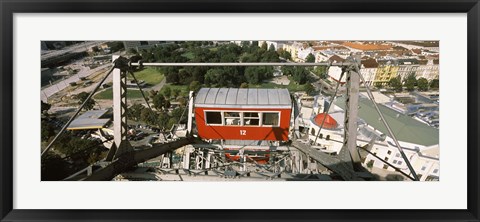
<point>55,88</point>
<point>157,87</point>
<point>70,49</point>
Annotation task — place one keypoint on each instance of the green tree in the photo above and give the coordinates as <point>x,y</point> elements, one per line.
<point>244,85</point>
<point>299,74</point>
<point>271,48</point>
<point>422,84</point>
<point>135,111</point>
<point>152,93</point>
<point>215,77</point>
<point>45,107</point>
<point>158,101</point>
<point>434,84</point>
<point>167,104</point>
<point>115,46</point>
<point>95,49</point>
<point>310,58</point>
<point>82,97</point>
<point>54,167</point>
<point>171,122</point>
<point>175,92</point>
<point>148,116</point>
<point>194,86</point>
<point>270,56</point>
<point>47,130</point>
<point>309,89</point>
<point>264,46</point>
<point>410,82</point>
<point>252,75</point>
<point>167,92</point>
<point>182,101</point>
<point>132,51</point>
<point>179,114</point>
<point>162,120</point>
<point>75,148</point>
<point>286,55</point>
<point>245,44</point>
<point>395,84</point>
<point>321,71</point>
<point>249,57</point>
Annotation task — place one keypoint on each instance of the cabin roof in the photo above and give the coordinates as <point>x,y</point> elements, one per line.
<point>92,119</point>
<point>234,97</point>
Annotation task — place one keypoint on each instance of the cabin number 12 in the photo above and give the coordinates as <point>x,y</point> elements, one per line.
<point>243,132</point>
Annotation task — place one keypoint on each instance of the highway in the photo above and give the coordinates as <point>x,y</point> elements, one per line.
<point>81,47</point>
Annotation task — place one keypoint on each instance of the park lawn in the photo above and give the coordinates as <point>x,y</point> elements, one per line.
<point>150,75</point>
<point>292,86</point>
<point>108,94</point>
<point>183,88</point>
<point>189,55</point>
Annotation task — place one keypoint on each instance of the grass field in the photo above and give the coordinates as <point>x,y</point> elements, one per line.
<point>108,94</point>
<point>151,76</point>
<point>292,86</point>
<point>183,88</point>
<point>188,55</point>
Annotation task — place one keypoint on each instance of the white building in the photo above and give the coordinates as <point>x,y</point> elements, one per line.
<point>428,69</point>
<point>302,53</point>
<point>368,70</point>
<point>320,57</point>
<point>419,141</point>
<point>407,67</point>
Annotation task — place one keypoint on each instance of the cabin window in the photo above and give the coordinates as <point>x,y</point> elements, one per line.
<point>251,119</point>
<point>213,117</point>
<point>232,118</point>
<point>271,119</point>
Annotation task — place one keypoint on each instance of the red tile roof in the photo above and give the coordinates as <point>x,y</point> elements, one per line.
<point>330,122</point>
<point>370,63</point>
<point>336,58</point>
<point>417,51</point>
<point>367,47</point>
<point>422,62</point>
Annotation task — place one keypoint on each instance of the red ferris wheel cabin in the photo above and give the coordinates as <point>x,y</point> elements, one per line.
<point>243,114</point>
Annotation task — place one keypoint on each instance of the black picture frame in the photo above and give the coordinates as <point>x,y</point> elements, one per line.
<point>9,7</point>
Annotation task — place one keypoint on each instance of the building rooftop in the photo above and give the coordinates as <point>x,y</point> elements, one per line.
<point>379,97</point>
<point>367,47</point>
<point>369,63</point>
<point>217,97</point>
<point>403,126</point>
<point>89,120</point>
<point>328,123</point>
<point>336,58</point>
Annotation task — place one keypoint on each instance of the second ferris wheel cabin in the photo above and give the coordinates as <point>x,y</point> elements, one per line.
<point>243,114</point>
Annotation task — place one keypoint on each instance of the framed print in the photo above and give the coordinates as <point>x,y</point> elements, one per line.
<point>207,110</point>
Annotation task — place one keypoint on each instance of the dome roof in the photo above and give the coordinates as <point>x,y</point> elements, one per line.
<point>330,122</point>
